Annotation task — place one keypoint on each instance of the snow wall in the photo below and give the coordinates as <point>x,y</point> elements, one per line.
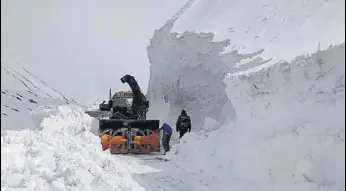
<point>187,72</point>
<point>287,127</point>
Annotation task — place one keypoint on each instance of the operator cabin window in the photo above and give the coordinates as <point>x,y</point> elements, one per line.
<point>128,94</point>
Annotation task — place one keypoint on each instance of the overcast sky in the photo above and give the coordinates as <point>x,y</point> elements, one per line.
<point>83,47</point>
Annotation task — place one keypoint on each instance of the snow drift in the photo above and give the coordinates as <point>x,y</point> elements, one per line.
<point>21,93</point>
<point>62,155</point>
<point>287,121</point>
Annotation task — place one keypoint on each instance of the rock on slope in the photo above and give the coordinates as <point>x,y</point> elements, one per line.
<point>21,93</point>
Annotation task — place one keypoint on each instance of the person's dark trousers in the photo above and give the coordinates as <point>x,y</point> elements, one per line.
<point>182,133</point>
<point>165,141</point>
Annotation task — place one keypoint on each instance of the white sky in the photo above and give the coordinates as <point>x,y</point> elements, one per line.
<point>83,47</point>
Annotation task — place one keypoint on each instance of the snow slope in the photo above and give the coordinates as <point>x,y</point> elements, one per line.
<point>284,29</point>
<point>21,93</point>
<point>287,129</point>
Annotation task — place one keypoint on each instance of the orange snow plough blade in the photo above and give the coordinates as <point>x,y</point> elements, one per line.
<point>130,136</point>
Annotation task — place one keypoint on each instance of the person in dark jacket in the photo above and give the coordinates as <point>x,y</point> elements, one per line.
<point>183,124</point>
<point>167,133</point>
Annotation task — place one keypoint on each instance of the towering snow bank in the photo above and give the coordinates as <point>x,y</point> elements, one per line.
<point>289,133</point>
<point>61,155</point>
<point>187,71</point>
<point>21,93</point>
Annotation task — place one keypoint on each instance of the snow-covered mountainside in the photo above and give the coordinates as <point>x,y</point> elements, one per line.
<point>283,28</point>
<point>286,129</point>
<point>21,93</point>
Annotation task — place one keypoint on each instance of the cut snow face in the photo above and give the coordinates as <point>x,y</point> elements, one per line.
<point>63,155</point>
<point>289,128</point>
<point>289,132</point>
<point>187,72</point>
<point>21,93</point>
<point>291,120</point>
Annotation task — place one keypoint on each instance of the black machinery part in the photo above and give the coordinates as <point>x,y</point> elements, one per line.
<point>115,124</point>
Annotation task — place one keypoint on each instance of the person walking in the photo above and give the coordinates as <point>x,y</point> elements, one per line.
<point>183,124</point>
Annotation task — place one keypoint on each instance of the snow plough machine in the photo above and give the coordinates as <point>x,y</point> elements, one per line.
<point>123,127</point>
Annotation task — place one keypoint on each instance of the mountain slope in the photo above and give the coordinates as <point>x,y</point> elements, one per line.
<point>21,93</point>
